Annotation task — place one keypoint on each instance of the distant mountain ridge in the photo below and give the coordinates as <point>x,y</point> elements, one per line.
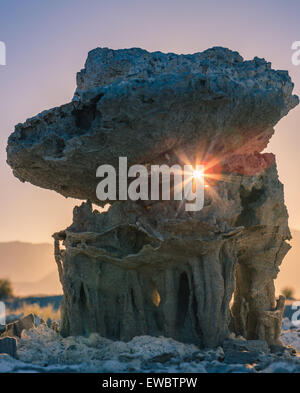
<point>31,267</point>
<point>48,285</point>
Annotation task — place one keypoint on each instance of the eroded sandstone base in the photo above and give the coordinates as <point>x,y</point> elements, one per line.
<point>137,270</point>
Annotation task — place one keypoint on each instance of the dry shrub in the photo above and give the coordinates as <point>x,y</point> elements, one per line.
<point>42,312</point>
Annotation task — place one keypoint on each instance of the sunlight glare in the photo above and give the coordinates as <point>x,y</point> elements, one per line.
<point>198,174</point>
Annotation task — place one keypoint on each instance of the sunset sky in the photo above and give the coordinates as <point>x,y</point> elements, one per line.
<point>48,41</point>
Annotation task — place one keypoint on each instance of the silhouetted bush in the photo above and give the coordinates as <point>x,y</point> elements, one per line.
<point>288,292</point>
<point>6,289</point>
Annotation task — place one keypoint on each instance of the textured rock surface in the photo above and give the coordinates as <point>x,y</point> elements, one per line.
<point>156,269</point>
<point>212,101</point>
<point>16,328</point>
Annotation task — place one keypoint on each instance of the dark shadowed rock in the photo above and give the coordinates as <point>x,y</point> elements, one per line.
<point>244,351</point>
<point>246,345</point>
<point>16,328</point>
<point>8,345</point>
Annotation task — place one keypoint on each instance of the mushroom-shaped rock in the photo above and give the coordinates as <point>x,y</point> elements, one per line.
<point>155,268</point>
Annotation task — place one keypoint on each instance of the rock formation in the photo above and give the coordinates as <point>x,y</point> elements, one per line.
<point>8,345</point>
<point>150,267</point>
